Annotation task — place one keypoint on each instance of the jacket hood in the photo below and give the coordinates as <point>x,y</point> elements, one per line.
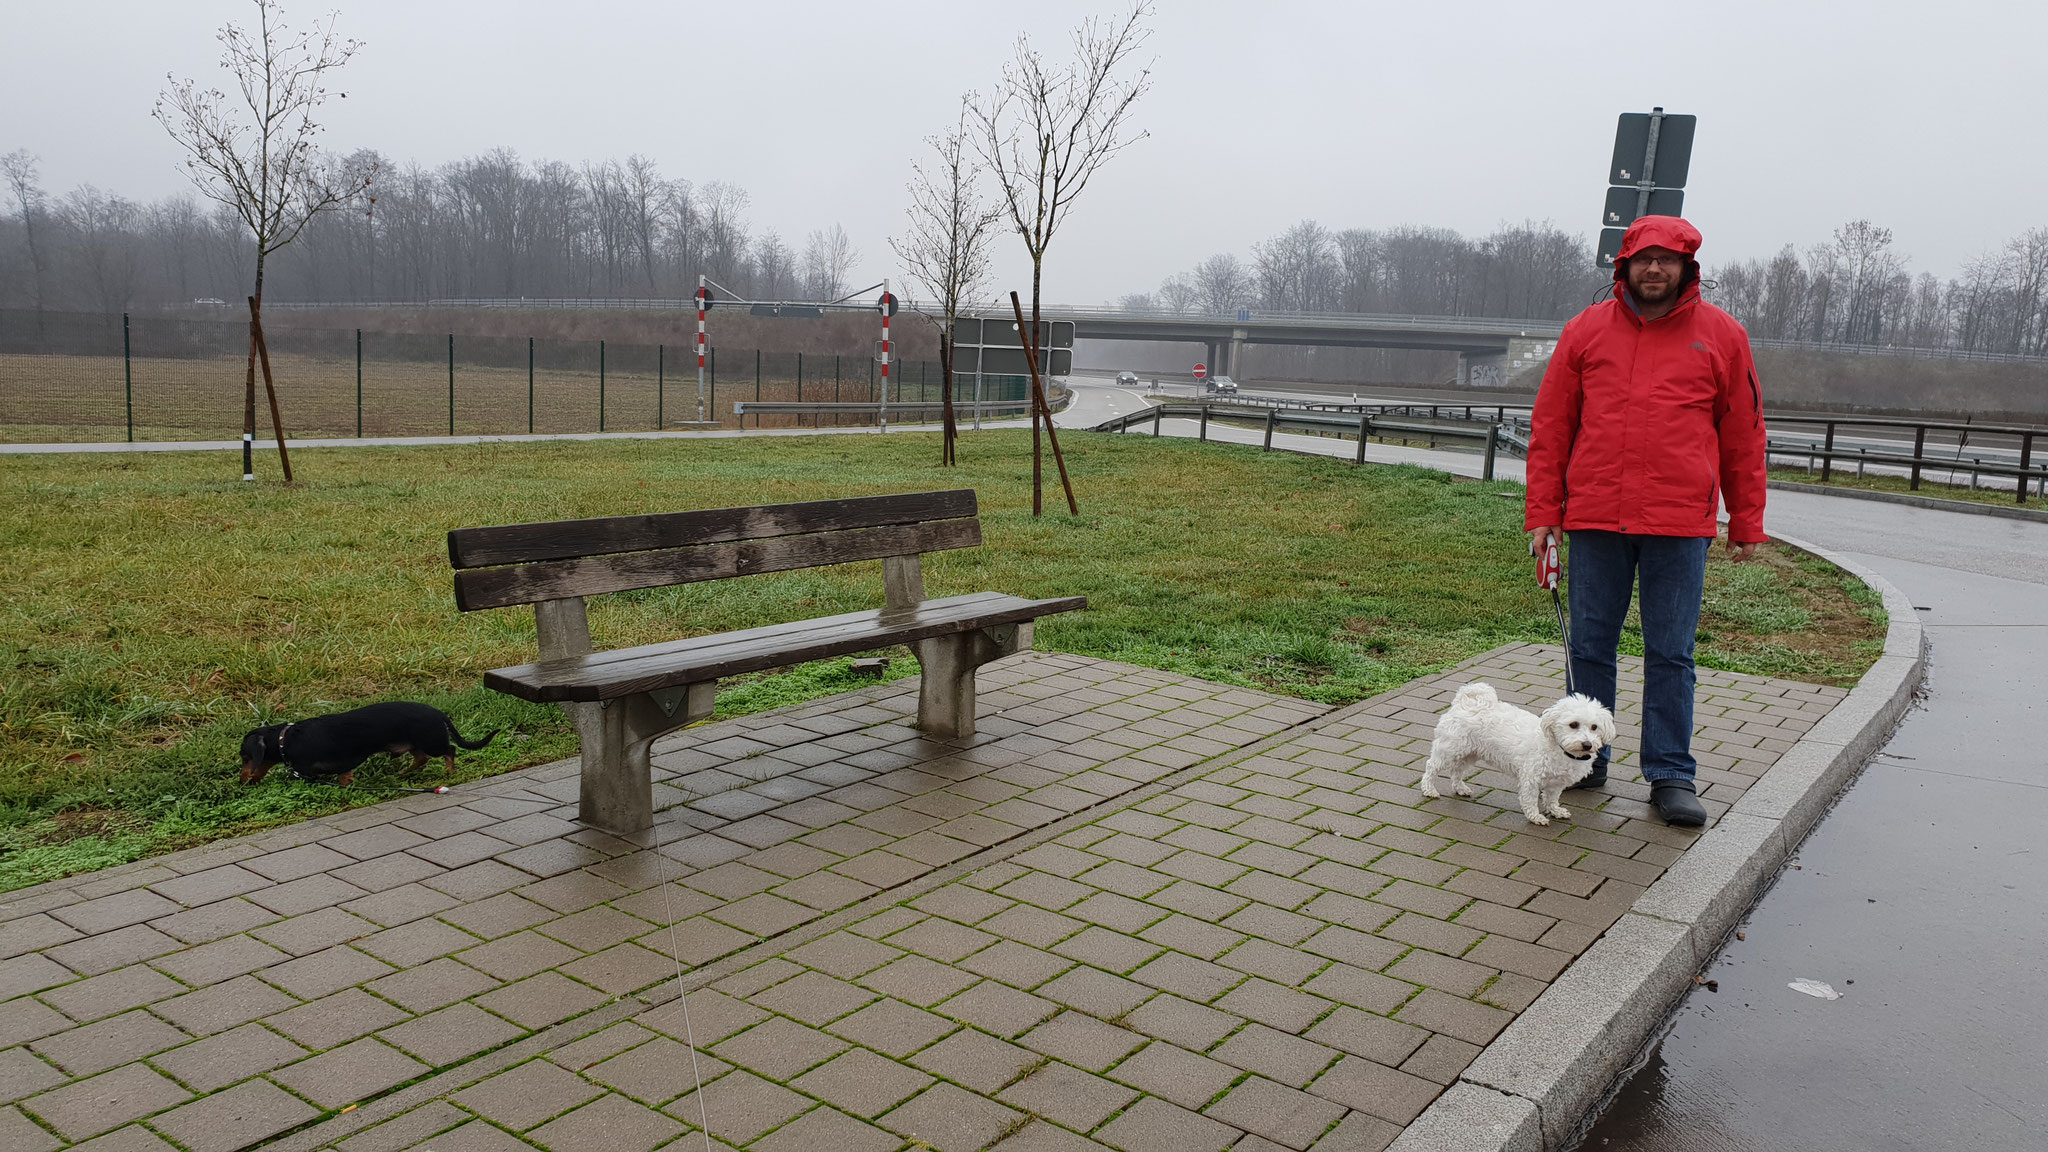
<point>1672,232</point>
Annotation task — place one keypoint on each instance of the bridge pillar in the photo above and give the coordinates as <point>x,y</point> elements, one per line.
<point>1482,369</point>
<point>1237,338</point>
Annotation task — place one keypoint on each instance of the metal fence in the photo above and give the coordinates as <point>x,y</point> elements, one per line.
<point>1360,424</point>
<point>93,377</point>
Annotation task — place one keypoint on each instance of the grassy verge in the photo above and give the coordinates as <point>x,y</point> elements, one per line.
<point>1931,488</point>
<point>157,607</point>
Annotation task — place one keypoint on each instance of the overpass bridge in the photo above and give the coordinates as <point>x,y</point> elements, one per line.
<point>1489,350</point>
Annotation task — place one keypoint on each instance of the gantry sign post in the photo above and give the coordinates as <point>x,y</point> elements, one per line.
<point>801,309</point>
<point>1652,153</point>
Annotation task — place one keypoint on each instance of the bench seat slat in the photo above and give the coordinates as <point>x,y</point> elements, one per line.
<point>559,579</point>
<point>623,672</point>
<point>610,535</point>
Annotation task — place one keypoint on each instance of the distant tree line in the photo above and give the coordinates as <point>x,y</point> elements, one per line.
<point>489,226</point>
<point>1852,290</point>
<point>1527,271</point>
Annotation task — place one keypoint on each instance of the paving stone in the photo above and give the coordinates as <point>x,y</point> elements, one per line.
<point>21,1074</point>
<point>625,968</point>
<point>305,895</point>
<point>110,950</point>
<point>221,918</point>
<point>109,1044</point>
<point>336,1019</point>
<point>1096,992</point>
<point>942,940</point>
<point>862,1083</point>
<point>1153,1125</point>
<point>453,1033</point>
<point>843,954</point>
<point>1106,949</point>
<point>611,1122</point>
<point>1275,1055</point>
<point>1360,1132</point>
<point>406,1130</point>
<point>526,1095</point>
<point>460,850</point>
<point>1363,1034</point>
<point>321,973</point>
<point>220,960</point>
<point>893,1027</point>
<point>475,1136</point>
<point>779,1048</point>
<point>977,1060</point>
<point>1275,1004</point>
<point>1034,926</point>
<point>237,1054</point>
<point>19,1134</point>
<point>1082,1040</point>
<point>1368,1087</point>
<point>538,1001</point>
<point>658,1070</point>
<point>741,1106</point>
<point>758,977</point>
<point>951,1119</point>
<point>223,1006</point>
<point>1039,1136</point>
<point>29,933</point>
<point>435,984</point>
<point>1192,1026</point>
<point>827,1128</point>
<point>1018,965</point>
<point>116,911</point>
<point>131,1139</point>
<point>1463,1019</point>
<point>1068,1096</point>
<point>400,905</point>
<point>813,998</point>
<point>518,956</point>
<point>1176,1074</point>
<point>918,980</point>
<point>21,975</point>
<point>115,991</point>
<point>234,1119</point>
<point>998,1008</point>
<point>1287,1117</point>
<point>303,935</point>
<point>1440,1059</point>
<point>415,943</point>
<point>107,1101</point>
<point>389,871</point>
<point>710,1017</point>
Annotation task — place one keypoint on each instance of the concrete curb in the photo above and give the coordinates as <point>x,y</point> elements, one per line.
<point>2007,511</point>
<point>1533,1086</point>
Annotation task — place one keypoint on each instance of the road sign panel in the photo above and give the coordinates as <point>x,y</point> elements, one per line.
<point>967,359</point>
<point>887,303</point>
<point>1201,370</point>
<point>1632,143</point>
<point>1620,211</point>
<point>1610,245</point>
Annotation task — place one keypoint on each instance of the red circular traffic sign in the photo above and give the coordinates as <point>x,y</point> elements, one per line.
<point>1201,370</point>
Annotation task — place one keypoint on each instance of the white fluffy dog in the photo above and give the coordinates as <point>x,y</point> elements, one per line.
<point>1546,754</point>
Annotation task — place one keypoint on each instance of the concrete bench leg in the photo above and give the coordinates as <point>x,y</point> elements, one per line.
<point>946,697</point>
<point>617,793</point>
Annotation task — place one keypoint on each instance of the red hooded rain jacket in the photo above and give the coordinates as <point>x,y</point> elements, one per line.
<point>1646,426</point>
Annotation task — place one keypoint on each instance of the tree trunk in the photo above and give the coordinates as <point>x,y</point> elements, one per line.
<point>1043,365</point>
<point>950,430</point>
<point>262,353</point>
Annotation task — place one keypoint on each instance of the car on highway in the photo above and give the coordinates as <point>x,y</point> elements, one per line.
<point>1223,384</point>
<point>1127,379</point>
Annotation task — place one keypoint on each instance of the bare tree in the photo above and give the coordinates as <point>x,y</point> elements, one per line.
<point>1044,132</point>
<point>1221,284</point>
<point>1177,294</point>
<point>946,248</point>
<point>829,256</point>
<point>19,169</point>
<point>259,160</point>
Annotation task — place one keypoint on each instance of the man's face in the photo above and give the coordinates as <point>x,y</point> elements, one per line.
<point>1654,274</point>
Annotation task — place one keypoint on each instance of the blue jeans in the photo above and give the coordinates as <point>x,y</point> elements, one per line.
<point>1604,567</point>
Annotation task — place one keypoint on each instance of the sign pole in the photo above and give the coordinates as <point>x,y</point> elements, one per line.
<point>703,302</point>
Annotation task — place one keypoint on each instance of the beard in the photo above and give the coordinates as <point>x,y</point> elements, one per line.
<point>1653,292</point>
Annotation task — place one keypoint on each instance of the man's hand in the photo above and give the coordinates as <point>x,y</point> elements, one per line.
<point>1538,537</point>
<point>1738,553</point>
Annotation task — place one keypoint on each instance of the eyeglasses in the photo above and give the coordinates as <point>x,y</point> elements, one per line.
<point>1672,259</point>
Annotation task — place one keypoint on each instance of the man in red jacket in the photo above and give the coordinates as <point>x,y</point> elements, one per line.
<point>1648,419</point>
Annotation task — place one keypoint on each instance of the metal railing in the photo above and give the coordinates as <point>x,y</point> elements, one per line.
<point>902,411</point>
<point>1364,426</point>
<point>1993,459</point>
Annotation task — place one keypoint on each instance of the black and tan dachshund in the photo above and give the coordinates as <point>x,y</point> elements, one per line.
<point>331,748</point>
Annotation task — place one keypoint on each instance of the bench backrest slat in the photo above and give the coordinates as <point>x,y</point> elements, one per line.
<point>718,543</point>
<point>610,535</point>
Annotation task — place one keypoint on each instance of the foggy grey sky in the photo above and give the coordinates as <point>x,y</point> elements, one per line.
<point>1923,117</point>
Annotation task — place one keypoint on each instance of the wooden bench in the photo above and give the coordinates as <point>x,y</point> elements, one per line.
<point>622,699</point>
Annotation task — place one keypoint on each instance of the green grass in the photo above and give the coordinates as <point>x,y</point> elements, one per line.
<point>157,607</point>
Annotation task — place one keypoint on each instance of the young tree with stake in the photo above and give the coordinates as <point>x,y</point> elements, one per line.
<point>1045,131</point>
<point>259,159</point>
<point>946,249</point>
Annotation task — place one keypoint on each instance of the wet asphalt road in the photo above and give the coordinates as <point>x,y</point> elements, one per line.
<point>1923,898</point>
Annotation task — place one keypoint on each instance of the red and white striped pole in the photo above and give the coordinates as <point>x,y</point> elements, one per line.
<point>703,302</point>
<point>888,305</point>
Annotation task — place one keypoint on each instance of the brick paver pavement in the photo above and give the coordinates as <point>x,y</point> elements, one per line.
<point>1138,911</point>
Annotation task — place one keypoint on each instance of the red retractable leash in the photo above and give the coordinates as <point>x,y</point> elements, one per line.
<point>1548,571</point>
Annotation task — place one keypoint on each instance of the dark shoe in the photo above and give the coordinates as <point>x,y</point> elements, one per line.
<point>1678,802</point>
<point>1597,778</point>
